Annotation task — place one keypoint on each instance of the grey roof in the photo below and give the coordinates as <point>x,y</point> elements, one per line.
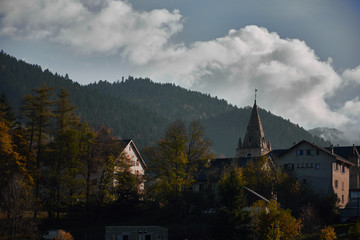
<point>344,151</point>
<point>336,156</point>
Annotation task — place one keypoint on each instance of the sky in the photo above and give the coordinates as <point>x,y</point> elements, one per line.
<point>302,56</point>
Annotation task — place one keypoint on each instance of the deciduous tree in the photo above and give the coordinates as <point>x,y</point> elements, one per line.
<point>37,110</point>
<point>174,161</point>
<point>270,221</point>
<point>232,220</point>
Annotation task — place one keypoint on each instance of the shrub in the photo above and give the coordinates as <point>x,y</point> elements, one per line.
<point>62,235</point>
<point>328,233</point>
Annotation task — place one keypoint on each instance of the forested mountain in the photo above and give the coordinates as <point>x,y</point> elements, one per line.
<point>141,109</point>
<point>170,101</point>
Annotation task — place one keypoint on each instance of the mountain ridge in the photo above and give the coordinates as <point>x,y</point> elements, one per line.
<point>141,109</point>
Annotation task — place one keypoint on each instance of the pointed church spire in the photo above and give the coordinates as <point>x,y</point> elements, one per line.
<point>254,143</point>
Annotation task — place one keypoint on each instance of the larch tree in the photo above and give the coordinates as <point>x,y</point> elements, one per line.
<point>66,122</point>
<point>37,109</point>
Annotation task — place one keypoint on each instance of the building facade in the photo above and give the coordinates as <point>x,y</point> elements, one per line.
<point>131,154</point>
<point>137,163</point>
<point>318,168</point>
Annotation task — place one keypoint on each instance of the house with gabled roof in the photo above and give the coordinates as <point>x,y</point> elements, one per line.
<point>132,154</point>
<point>137,163</point>
<point>319,168</point>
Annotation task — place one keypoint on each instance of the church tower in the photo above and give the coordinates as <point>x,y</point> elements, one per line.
<point>254,144</point>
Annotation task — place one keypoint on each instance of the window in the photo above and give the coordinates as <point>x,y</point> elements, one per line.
<point>307,165</point>
<point>312,165</point>
<point>336,167</point>
<point>300,152</point>
<point>298,165</point>
<point>309,152</point>
<point>342,199</point>
<point>289,166</point>
<point>317,151</point>
<point>336,183</point>
<point>317,166</point>
<point>343,168</point>
<point>342,186</point>
<point>137,163</point>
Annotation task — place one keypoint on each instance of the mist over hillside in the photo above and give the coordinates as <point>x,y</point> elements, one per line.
<point>141,109</point>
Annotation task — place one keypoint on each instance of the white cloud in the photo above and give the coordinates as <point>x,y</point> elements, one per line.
<point>291,80</point>
<point>352,75</point>
<point>114,28</point>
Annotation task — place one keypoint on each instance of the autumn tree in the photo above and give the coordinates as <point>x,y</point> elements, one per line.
<point>260,177</point>
<point>11,161</point>
<point>174,161</point>
<point>61,155</point>
<point>328,233</point>
<point>270,221</point>
<point>126,184</point>
<point>107,152</point>
<point>231,220</point>
<point>16,199</point>
<point>37,109</point>
<point>63,235</point>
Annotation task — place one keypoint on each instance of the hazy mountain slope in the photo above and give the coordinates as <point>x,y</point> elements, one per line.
<point>332,135</point>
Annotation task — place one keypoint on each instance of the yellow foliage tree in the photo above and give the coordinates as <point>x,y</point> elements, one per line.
<point>328,233</point>
<point>272,222</point>
<point>11,162</point>
<point>62,235</point>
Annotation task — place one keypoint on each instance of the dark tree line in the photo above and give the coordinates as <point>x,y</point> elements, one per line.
<point>54,162</point>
